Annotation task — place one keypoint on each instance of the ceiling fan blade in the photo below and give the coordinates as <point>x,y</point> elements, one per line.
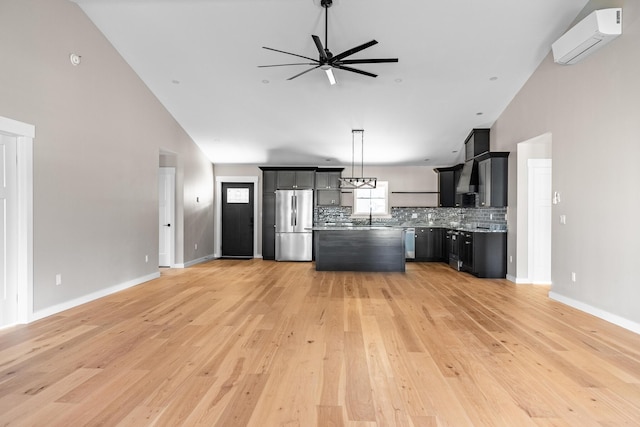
<point>321,51</point>
<point>289,53</point>
<point>367,61</point>
<point>284,65</point>
<point>354,70</point>
<point>353,50</point>
<point>304,72</point>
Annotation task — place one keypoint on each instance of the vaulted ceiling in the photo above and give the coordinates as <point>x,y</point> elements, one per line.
<point>460,64</point>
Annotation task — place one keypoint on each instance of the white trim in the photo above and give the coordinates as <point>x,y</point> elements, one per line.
<point>602,314</point>
<point>194,261</point>
<point>49,311</point>
<point>16,128</point>
<point>218,206</point>
<point>518,280</point>
<point>24,134</point>
<point>525,281</point>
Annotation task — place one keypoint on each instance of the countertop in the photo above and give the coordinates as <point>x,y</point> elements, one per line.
<point>349,226</point>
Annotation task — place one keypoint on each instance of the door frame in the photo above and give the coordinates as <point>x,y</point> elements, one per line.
<point>24,134</point>
<point>218,218</point>
<point>171,171</point>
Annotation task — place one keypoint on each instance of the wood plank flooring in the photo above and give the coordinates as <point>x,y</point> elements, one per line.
<point>262,343</point>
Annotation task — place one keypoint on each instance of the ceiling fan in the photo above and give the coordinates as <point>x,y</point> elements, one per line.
<point>327,61</point>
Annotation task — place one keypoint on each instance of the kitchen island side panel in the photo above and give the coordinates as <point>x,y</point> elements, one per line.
<point>360,250</point>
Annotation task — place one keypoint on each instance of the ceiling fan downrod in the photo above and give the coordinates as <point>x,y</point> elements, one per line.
<point>326,4</point>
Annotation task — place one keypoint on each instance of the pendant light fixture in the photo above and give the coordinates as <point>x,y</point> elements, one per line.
<point>354,182</point>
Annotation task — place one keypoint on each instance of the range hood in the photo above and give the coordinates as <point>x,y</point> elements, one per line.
<point>468,182</point>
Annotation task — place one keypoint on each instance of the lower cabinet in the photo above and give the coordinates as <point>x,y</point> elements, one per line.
<point>484,254</point>
<point>429,244</point>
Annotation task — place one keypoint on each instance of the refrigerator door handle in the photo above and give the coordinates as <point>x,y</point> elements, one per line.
<point>295,211</point>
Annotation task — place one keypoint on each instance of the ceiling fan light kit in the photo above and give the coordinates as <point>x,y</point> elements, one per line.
<point>357,182</point>
<point>326,60</point>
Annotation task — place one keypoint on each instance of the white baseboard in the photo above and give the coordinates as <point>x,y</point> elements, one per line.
<point>602,314</point>
<point>194,261</point>
<point>518,280</point>
<point>49,311</point>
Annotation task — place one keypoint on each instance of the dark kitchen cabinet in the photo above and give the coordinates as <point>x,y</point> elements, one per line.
<point>296,179</point>
<point>269,185</point>
<point>477,143</point>
<point>328,191</point>
<point>447,183</point>
<point>269,226</point>
<point>492,179</point>
<point>484,254</point>
<point>269,181</point>
<point>466,252</point>
<point>429,244</point>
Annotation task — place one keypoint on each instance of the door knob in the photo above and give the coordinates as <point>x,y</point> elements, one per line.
<point>167,225</point>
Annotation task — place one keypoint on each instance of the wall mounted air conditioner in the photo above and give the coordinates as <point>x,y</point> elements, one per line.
<point>588,35</point>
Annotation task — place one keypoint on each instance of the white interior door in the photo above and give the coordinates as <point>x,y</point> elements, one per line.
<point>166,212</point>
<point>540,221</point>
<point>8,228</point>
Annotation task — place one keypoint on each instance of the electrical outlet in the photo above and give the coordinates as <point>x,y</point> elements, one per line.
<point>196,246</point>
<point>146,258</point>
<point>510,258</point>
<point>58,279</point>
<point>490,216</point>
<point>573,276</point>
<point>563,219</point>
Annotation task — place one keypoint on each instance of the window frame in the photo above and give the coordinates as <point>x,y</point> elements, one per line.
<point>387,212</point>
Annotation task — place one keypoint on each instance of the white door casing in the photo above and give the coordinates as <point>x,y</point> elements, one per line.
<point>8,228</point>
<point>22,134</point>
<point>166,216</point>
<point>218,216</point>
<point>540,221</point>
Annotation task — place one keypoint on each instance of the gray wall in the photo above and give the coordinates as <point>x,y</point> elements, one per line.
<point>99,135</point>
<point>592,111</point>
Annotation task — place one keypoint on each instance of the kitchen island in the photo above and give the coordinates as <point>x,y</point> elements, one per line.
<point>359,248</point>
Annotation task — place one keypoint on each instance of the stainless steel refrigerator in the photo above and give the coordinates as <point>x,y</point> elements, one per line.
<point>294,219</point>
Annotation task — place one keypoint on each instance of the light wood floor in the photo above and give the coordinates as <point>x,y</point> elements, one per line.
<point>234,343</point>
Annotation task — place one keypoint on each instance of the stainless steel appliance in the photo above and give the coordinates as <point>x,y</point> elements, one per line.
<point>409,243</point>
<point>294,219</point>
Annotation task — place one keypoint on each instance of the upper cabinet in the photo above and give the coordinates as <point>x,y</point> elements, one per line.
<point>477,143</point>
<point>297,179</point>
<point>447,182</point>
<point>493,177</point>
<point>328,187</point>
<point>269,181</point>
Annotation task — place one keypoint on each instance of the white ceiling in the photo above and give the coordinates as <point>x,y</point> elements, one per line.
<point>200,58</point>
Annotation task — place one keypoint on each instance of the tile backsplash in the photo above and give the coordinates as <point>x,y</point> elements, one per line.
<point>490,218</point>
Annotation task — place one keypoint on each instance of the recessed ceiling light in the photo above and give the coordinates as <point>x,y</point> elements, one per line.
<point>454,151</point>
<point>175,82</point>
<point>479,113</point>
<point>265,81</point>
<point>398,80</point>
<point>494,78</point>
<point>426,160</point>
